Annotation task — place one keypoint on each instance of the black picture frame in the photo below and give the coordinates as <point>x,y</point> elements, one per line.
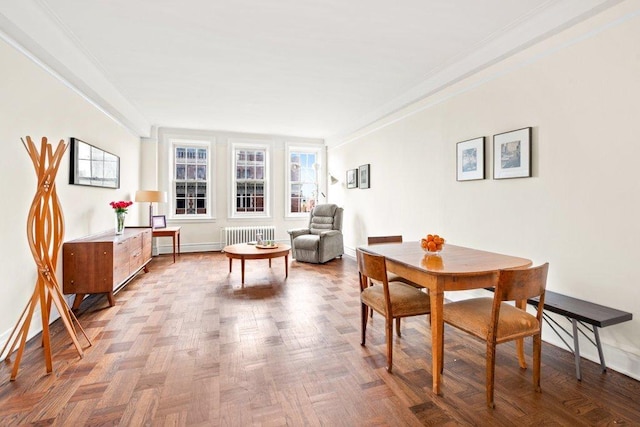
<point>352,178</point>
<point>470,159</point>
<point>158,221</point>
<point>364,176</point>
<point>512,154</point>
<point>92,166</point>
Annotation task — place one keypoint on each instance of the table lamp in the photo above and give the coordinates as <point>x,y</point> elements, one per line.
<point>151,196</point>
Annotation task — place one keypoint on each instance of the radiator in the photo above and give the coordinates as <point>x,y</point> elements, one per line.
<point>233,235</point>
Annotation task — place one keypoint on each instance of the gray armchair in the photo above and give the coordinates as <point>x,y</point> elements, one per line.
<point>322,240</point>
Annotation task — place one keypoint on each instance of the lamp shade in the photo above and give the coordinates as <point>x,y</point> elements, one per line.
<point>151,196</point>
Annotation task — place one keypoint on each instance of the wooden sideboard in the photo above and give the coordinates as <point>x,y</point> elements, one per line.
<point>105,262</point>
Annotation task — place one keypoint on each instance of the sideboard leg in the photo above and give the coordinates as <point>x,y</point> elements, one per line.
<point>77,301</point>
<point>110,298</point>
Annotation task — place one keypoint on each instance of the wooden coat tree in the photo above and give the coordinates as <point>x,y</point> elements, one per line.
<point>45,232</point>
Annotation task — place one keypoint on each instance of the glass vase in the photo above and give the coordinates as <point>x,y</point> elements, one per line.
<point>120,222</point>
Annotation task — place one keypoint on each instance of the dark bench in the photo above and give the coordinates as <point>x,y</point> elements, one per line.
<point>581,314</point>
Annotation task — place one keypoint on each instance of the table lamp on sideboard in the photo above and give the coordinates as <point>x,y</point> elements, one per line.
<point>151,196</point>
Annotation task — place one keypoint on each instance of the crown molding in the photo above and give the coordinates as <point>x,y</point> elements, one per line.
<point>554,18</point>
<point>27,27</point>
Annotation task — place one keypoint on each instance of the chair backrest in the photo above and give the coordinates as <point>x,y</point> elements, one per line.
<point>518,285</point>
<point>324,218</point>
<point>372,266</point>
<point>374,240</point>
<point>522,284</point>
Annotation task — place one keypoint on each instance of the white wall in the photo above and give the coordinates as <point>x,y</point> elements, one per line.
<point>204,235</point>
<point>35,103</point>
<point>580,91</point>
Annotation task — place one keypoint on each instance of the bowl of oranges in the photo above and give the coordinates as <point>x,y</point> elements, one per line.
<point>432,243</point>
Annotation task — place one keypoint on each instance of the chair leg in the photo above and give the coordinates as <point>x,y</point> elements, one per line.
<point>371,312</point>
<point>491,367</point>
<point>520,351</point>
<point>398,327</point>
<point>441,350</point>
<point>537,352</point>
<point>389,333</point>
<point>363,311</point>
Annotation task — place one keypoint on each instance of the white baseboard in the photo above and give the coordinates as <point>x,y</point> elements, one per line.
<point>197,247</point>
<point>36,325</point>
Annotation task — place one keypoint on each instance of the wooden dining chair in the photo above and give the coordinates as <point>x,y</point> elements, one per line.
<point>393,300</point>
<point>375,240</point>
<point>496,322</point>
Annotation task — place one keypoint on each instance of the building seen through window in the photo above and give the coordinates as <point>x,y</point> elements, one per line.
<point>303,181</point>
<point>190,180</point>
<point>250,180</point>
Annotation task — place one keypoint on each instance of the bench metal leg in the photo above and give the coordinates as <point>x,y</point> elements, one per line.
<point>603,365</point>
<point>576,345</point>
<point>576,348</point>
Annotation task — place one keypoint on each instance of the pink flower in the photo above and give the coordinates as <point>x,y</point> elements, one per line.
<point>121,206</point>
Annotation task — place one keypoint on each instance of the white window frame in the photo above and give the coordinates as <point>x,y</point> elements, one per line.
<point>211,180</point>
<point>240,144</point>
<point>319,150</point>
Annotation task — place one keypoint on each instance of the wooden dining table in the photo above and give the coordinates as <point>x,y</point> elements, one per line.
<point>455,268</point>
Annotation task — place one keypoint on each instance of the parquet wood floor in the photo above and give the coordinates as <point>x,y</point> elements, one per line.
<point>187,345</point>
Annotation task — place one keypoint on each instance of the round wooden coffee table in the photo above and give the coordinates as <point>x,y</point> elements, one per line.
<point>244,251</point>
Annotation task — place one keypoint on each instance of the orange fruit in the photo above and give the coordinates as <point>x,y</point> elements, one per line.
<point>431,245</point>
<point>429,237</point>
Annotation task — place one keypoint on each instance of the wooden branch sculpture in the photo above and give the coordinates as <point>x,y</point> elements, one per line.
<point>45,232</point>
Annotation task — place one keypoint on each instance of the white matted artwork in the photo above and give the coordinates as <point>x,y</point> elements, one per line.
<point>512,154</point>
<point>364,176</point>
<point>470,159</point>
<point>352,178</point>
<point>158,221</point>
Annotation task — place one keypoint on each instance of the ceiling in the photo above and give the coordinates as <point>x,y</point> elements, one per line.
<point>311,68</point>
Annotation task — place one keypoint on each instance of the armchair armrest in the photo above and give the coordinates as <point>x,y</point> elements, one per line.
<point>329,233</point>
<point>298,232</point>
<point>330,245</point>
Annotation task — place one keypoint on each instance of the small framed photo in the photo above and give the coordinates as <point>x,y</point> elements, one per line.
<point>470,159</point>
<point>352,178</point>
<point>364,176</point>
<point>512,154</point>
<point>158,221</point>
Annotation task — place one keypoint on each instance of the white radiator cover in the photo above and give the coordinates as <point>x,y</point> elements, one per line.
<point>233,235</point>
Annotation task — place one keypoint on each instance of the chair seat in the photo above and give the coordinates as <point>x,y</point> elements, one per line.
<point>405,299</point>
<point>474,316</point>
<point>307,242</point>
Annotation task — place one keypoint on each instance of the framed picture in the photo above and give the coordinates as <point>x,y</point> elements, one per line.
<point>158,221</point>
<point>512,154</point>
<point>364,176</point>
<point>352,178</point>
<point>92,166</point>
<point>470,159</point>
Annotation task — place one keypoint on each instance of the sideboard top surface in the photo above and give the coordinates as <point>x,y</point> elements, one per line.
<point>110,236</point>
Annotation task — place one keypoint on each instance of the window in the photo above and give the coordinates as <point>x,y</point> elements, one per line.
<point>250,188</point>
<point>191,171</point>
<point>303,183</point>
